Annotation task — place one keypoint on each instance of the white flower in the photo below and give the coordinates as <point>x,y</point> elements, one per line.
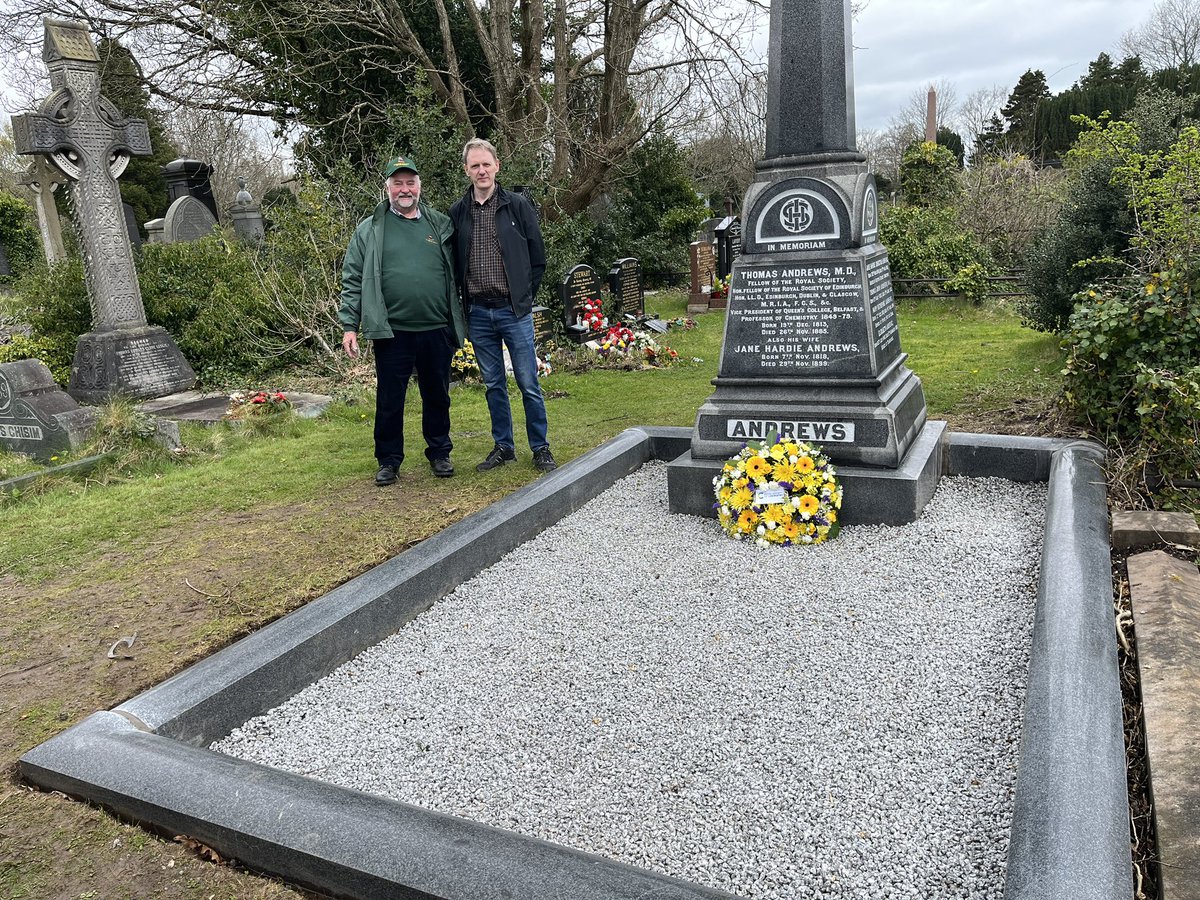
<point>760,542</point>
<point>724,510</point>
<point>762,529</point>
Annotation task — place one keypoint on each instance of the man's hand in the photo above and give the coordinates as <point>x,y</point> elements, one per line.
<point>350,344</point>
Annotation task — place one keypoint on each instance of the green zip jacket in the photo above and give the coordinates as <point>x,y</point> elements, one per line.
<point>363,309</point>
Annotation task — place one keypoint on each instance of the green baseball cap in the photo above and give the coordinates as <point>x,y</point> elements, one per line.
<point>396,163</point>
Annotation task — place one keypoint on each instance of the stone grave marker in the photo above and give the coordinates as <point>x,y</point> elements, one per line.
<point>43,180</point>
<point>543,324</point>
<point>811,348</point>
<point>578,286</point>
<point>729,244</point>
<point>704,270</point>
<point>247,216</point>
<point>625,282</point>
<point>37,417</point>
<point>187,219</point>
<point>88,140</point>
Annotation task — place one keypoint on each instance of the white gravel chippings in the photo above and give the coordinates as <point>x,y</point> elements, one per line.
<point>838,721</point>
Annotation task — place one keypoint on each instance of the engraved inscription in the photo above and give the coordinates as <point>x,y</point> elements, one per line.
<point>797,319</point>
<point>883,306</point>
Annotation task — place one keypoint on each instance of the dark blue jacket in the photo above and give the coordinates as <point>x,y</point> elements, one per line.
<point>520,241</point>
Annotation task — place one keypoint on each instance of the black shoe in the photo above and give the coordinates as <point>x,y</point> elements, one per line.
<point>385,476</point>
<point>543,460</point>
<point>498,457</point>
<point>442,467</point>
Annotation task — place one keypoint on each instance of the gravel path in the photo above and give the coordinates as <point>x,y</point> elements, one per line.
<point>833,721</point>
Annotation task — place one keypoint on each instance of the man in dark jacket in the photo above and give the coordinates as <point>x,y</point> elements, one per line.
<point>500,259</point>
<point>398,290</point>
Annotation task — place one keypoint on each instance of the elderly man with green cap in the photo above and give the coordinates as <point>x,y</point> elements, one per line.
<point>398,290</point>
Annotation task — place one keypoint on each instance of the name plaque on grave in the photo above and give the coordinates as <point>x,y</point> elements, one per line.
<point>809,319</point>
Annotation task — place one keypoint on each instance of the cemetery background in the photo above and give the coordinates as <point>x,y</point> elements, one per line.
<point>202,284</point>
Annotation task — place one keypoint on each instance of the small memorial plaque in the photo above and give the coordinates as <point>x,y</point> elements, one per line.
<point>625,281</point>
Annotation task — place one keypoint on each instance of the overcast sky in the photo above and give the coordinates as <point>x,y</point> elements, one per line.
<point>904,45</point>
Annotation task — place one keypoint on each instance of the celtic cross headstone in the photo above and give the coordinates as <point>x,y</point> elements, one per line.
<point>811,348</point>
<point>43,180</point>
<point>90,142</point>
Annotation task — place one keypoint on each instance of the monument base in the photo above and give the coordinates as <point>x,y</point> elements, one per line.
<point>871,496</point>
<point>139,363</point>
<point>857,421</point>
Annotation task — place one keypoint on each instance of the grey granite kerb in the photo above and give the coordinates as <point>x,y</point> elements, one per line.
<point>145,759</point>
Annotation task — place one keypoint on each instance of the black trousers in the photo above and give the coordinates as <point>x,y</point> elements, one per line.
<point>427,353</point>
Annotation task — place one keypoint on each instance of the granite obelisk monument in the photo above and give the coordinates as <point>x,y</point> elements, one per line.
<point>811,347</point>
<point>90,142</point>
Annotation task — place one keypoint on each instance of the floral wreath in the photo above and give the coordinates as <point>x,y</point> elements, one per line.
<point>783,492</point>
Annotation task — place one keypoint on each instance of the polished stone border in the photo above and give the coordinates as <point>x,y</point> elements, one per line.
<point>147,760</point>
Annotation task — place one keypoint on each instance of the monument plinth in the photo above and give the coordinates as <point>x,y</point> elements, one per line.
<point>90,142</point>
<point>811,348</point>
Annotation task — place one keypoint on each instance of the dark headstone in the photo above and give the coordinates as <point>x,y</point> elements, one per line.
<point>578,286</point>
<point>811,347</point>
<point>543,324</point>
<point>191,178</point>
<point>729,244</point>
<point>5,265</point>
<point>37,417</point>
<point>625,282</point>
<point>131,226</point>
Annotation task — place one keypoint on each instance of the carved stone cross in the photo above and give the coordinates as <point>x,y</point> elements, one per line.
<point>86,138</point>
<point>90,142</point>
<point>43,180</point>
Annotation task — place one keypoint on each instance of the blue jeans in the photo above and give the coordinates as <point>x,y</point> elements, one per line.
<point>396,358</point>
<point>491,330</point>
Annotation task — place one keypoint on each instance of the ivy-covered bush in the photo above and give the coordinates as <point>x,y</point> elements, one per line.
<point>929,243</point>
<point>1133,365</point>
<point>929,175</point>
<point>53,302</point>
<point>18,233</point>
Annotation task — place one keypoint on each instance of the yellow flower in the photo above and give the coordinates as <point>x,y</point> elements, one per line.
<point>805,464</point>
<point>809,505</point>
<point>791,448</point>
<point>831,516</point>
<point>741,482</point>
<point>725,494</point>
<point>791,531</point>
<point>773,515</point>
<point>740,498</point>
<point>757,467</point>
<point>783,471</point>
<point>777,452</point>
<point>747,519</point>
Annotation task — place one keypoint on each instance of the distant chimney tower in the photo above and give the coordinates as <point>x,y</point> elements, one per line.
<point>931,117</point>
